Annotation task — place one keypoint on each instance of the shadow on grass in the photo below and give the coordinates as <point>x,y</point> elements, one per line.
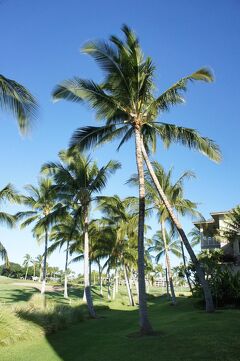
<point>112,335</point>
<point>17,295</point>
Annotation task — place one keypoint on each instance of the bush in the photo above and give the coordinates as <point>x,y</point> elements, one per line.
<point>224,283</point>
<point>50,317</point>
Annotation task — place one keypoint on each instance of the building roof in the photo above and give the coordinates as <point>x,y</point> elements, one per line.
<point>210,221</point>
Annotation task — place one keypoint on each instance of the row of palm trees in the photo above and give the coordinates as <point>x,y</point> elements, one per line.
<point>127,102</point>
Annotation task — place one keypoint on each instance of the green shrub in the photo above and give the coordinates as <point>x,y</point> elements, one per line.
<point>50,317</point>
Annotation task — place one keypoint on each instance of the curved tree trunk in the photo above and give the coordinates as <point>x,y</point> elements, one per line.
<point>130,296</point>
<point>199,270</point>
<point>87,287</point>
<point>44,272</point>
<point>26,273</point>
<point>185,267</point>
<point>145,326</point>
<point>66,273</point>
<point>168,265</point>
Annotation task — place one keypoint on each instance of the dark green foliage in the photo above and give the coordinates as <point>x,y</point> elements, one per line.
<point>222,276</point>
<point>13,270</point>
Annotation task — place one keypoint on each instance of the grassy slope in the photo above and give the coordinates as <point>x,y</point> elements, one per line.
<point>186,333</point>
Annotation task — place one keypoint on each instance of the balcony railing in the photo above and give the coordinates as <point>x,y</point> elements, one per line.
<point>209,242</point>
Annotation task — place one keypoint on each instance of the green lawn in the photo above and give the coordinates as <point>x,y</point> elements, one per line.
<point>185,333</point>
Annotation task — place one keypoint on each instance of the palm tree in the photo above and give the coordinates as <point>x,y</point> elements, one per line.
<point>45,210</point>
<point>174,193</point>
<point>231,230</point>
<point>64,233</point>
<point>79,179</point>
<point>122,217</point>
<point>8,193</point>
<point>39,262</point>
<point>18,100</point>
<point>165,243</point>
<point>26,262</point>
<point>126,100</point>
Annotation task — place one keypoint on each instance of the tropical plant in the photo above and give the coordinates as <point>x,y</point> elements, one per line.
<point>79,179</point>
<point>164,243</point>
<point>231,229</point>
<point>126,100</point>
<point>45,211</point>
<point>174,192</point>
<point>26,262</point>
<point>63,234</point>
<point>15,98</point>
<point>8,193</point>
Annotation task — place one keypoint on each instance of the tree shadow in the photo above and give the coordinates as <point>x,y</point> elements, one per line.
<point>17,295</point>
<point>105,338</point>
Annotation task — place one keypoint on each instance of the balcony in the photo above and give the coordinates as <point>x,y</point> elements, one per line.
<point>209,243</point>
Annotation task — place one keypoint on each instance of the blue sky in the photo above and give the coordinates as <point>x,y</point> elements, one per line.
<point>40,44</point>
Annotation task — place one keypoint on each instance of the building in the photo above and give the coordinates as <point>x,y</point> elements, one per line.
<point>210,228</point>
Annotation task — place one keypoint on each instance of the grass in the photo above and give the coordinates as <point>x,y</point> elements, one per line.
<point>186,333</point>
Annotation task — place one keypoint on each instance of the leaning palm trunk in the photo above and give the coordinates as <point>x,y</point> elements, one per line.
<point>44,272</point>
<point>199,270</point>
<point>130,296</point>
<point>66,273</point>
<point>185,268</point>
<point>145,326</point>
<point>87,288</point>
<point>168,265</point>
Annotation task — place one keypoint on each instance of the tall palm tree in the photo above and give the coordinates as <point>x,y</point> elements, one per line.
<point>126,100</point>
<point>26,262</point>
<point>79,179</point>
<point>174,191</point>
<point>15,98</point>
<point>44,211</point>
<point>163,244</point>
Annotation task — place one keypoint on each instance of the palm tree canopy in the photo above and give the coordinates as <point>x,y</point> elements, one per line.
<point>127,99</point>
<point>45,210</point>
<point>15,98</point>
<point>8,193</point>
<point>231,231</point>
<point>77,177</point>
<point>174,191</point>
<point>172,245</point>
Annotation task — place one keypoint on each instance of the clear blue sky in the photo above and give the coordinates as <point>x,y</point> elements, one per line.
<point>40,43</point>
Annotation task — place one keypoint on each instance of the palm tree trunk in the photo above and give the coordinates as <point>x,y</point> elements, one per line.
<point>116,281</point>
<point>100,279</point>
<point>185,268</point>
<point>66,273</point>
<point>108,286</point>
<point>145,326</point>
<point>34,269</point>
<point>44,273</point>
<point>87,287</point>
<point>199,270</point>
<point>130,296</point>
<point>114,285</point>
<point>174,302</point>
<point>167,283</point>
<point>26,273</point>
